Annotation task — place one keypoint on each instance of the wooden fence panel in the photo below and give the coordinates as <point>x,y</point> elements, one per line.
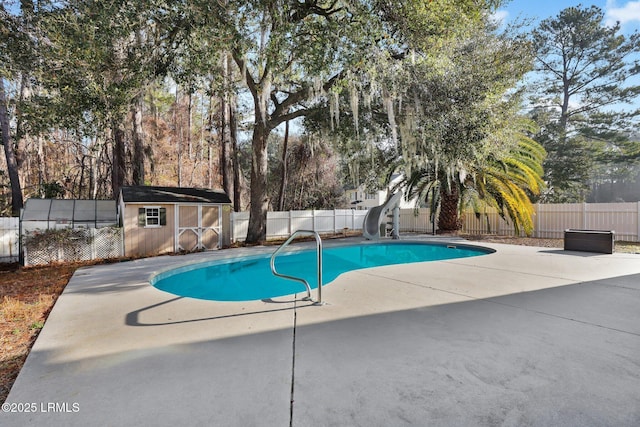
<point>552,219</point>
<point>415,220</point>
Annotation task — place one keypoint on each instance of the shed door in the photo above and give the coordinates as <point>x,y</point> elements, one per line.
<point>210,227</point>
<point>198,227</point>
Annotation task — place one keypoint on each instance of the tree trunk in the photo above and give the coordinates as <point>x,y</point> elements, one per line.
<point>118,169</point>
<point>25,94</point>
<point>448,220</point>
<point>178,135</point>
<point>189,110</point>
<point>210,144</point>
<point>81,178</point>
<point>138,142</point>
<point>564,108</point>
<point>226,154</point>
<point>257,230</point>
<point>43,173</point>
<point>96,171</point>
<point>226,161</point>
<point>12,165</point>
<point>283,174</point>
<point>237,186</point>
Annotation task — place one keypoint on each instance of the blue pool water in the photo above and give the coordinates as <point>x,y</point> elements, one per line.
<point>250,278</point>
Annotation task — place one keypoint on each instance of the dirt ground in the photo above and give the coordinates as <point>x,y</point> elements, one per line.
<point>511,240</point>
<point>623,247</point>
<point>26,298</point>
<point>27,295</point>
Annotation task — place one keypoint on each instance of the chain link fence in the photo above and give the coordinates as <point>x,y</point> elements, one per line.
<point>50,246</point>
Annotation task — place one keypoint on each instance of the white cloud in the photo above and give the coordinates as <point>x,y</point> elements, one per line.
<point>500,16</point>
<point>630,12</point>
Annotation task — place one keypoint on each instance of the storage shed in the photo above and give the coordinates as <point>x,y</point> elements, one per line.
<point>160,220</point>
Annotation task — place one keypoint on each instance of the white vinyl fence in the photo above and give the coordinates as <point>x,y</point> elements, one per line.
<point>9,241</point>
<point>550,221</point>
<point>282,224</point>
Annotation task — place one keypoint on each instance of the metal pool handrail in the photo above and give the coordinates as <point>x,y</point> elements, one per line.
<point>300,279</point>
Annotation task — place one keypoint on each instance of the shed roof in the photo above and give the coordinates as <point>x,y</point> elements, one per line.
<point>146,194</point>
<point>73,211</point>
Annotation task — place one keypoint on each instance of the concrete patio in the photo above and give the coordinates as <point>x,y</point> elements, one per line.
<point>521,337</point>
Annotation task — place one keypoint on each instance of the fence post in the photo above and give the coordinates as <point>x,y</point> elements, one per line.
<point>21,248</point>
<point>335,228</point>
<point>638,212</point>
<point>289,222</point>
<point>313,219</point>
<point>536,232</point>
<point>94,251</point>
<point>123,248</point>
<point>584,216</point>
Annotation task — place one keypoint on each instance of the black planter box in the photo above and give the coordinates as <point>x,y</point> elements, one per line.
<point>601,241</point>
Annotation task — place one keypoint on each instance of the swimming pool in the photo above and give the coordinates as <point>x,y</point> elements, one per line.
<point>250,278</point>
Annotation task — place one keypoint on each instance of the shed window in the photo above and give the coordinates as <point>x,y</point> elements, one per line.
<point>152,216</point>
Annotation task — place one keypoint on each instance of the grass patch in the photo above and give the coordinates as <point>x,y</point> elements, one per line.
<point>26,298</point>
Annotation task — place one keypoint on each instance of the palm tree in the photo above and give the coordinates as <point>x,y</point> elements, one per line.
<point>505,181</point>
<point>508,184</point>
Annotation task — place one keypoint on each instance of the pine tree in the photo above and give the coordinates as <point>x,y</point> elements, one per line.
<point>583,70</point>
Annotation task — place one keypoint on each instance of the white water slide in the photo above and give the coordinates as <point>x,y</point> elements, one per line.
<point>378,215</point>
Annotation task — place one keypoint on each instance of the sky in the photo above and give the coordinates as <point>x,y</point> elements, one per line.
<point>627,12</point>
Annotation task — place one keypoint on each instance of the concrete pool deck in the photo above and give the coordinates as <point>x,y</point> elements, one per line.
<point>523,336</point>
